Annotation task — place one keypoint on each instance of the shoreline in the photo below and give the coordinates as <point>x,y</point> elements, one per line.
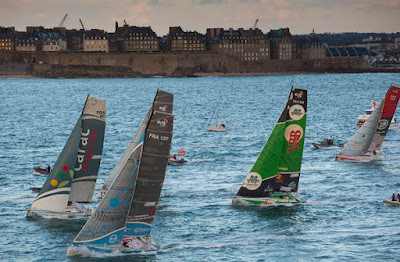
<point>18,76</point>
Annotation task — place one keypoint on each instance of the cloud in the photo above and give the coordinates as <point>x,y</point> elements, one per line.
<point>299,15</point>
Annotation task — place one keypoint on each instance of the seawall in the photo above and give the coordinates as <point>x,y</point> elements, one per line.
<point>71,65</point>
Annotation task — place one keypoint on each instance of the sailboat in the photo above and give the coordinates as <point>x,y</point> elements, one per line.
<point>74,175</point>
<point>274,178</point>
<point>366,143</point>
<point>128,151</point>
<point>218,127</point>
<point>123,220</point>
<point>362,118</point>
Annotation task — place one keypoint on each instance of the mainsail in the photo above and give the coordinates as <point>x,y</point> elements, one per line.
<point>90,150</point>
<point>277,169</point>
<point>55,193</point>
<point>360,142</point>
<point>389,108</point>
<point>125,156</point>
<point>159,105</point>
<point>129,206</point>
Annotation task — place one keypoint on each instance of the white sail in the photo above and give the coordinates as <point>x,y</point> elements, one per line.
<point>218,127</point>
<point>124,158</point>
<point>360,142</point>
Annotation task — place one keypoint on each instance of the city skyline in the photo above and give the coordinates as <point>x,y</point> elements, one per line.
<point>301,16</point>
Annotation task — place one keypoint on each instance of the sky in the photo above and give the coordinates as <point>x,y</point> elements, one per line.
<point>301,16</point>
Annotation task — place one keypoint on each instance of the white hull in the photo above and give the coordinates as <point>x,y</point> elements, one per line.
<point>134,245</point>
<point>391,203</point>
<point>176,162</point>
<point>362,118</point>
<point>265,201</point>
<point>38,174</point>
<point>319,146</point>
<point>363,158</point>
<point>58,215</point>
<point>74,211</point>
<point>217,128</point>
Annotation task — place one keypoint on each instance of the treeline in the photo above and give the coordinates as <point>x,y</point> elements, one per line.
<point>351,38</point>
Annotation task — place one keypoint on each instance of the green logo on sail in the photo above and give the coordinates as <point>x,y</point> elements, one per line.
<point>296,112</point>
<point>253,181</point>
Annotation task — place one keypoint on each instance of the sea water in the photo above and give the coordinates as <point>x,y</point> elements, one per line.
<point>343,218</point>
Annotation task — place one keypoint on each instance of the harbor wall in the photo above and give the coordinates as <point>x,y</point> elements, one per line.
<point>164,64</point>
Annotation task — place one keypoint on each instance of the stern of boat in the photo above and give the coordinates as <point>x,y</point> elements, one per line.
<point>267,201</point>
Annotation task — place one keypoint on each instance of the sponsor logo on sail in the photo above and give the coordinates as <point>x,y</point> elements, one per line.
<point>163,108</point>
<point>62,178</point>
<point>383,123</point>
<point>293,134</point>
<point>299,95</point>
<point>163,122</point>
<point>113,238</point>
<point>292,185</point>
<point>279,178</point>
<point>253,181</point>
<point>296,112</point>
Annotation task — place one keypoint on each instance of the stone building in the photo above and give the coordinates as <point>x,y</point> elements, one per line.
<point>310,48</point>
<point>178,40</point>
<point>7,39</point>
<point>136,39</point>
<point>26,42</point>
<point>74,40</point>
<point>248,45</point>
<point>95,40</point>
<point>283,45</point>
<point>52,41</point>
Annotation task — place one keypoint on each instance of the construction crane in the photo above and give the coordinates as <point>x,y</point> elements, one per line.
<point>62,21</point>
<point>255,24</point>
<point>81,24</point>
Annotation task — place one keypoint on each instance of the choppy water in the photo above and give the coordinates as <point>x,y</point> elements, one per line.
<point>343,219</point>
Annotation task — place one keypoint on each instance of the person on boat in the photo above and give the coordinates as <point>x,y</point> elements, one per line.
<point>79,207</point>
<point>174,157</point>
<point>393,197</point>
<point>398,197</point>
<point>48,168</point>
<point>223,125</point>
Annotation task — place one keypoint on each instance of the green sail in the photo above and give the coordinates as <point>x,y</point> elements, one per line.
<point>277,168</point>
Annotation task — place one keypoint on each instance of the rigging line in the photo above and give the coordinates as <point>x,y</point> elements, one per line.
<point>211,117</point>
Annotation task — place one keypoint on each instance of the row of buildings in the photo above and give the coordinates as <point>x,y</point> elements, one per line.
<point>245,44</point>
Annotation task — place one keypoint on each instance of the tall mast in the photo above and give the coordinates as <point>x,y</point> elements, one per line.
<point>219,104</point>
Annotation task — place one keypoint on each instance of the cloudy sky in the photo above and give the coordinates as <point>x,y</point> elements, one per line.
<point>301,16</point>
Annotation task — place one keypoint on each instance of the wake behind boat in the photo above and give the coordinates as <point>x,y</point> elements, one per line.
<point>274,177</point>
<point>74,174</point>
<point>366,143</point>
<point>123,220</point>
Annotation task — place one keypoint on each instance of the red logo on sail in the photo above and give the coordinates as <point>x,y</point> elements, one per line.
<point>294,140</point>
<point>293,135</point>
